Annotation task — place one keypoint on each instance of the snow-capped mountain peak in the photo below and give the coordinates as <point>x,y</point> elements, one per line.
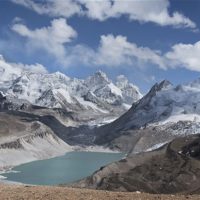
<point>101,75</point>
<point>56,90</point>
<point>165,103</point>
<point>164,85</point>
<point>97,80</point>
<point>121,81</point>
<point>128,89</point>
<point>60,76</point>
<point>166,109</point>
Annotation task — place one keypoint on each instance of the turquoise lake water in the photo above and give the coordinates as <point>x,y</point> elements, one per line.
<point>69,168</point>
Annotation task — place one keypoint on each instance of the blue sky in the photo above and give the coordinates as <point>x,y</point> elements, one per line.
<point>147,40</point>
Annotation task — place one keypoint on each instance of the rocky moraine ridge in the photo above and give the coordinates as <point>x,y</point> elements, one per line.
<point>171,169</point>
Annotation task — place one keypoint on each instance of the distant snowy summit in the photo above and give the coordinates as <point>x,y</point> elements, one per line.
<point>166,103</point>
<point>96,93</point>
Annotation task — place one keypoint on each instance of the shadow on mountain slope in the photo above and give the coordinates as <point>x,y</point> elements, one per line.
<point>72,135</point>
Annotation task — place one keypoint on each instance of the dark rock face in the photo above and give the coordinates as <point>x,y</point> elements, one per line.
<point>7,103</point>
<point>2,97</point>
<point>174,168</point>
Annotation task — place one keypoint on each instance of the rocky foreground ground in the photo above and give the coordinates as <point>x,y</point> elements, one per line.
<point>17,192</point>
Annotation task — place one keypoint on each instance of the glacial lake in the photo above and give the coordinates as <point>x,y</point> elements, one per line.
<point>69,168</point>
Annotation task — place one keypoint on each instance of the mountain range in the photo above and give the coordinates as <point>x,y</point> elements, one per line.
<point>47,114</point>
<point>96,93</point>
<point>164,113</point>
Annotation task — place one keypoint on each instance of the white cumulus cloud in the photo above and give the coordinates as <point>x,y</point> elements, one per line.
<point>117,51</point>
<point>35,68</point>
<point>51,38</point>
<point>10,70</point>
<point>156,11</point>
<point>54,8</point>
<point>112,51</point>
<point>185,55</point>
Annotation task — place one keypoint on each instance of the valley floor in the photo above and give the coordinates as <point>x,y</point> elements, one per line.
<point>17,192</point>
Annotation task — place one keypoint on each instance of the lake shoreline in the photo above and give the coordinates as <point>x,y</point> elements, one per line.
<point>65,169</point>
<point>96,148</point>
